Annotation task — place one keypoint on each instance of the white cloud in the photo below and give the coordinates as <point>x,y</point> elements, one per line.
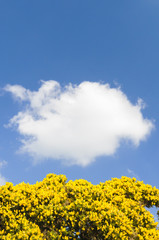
<point>3,163</point>
<point>2,178</point>
<point>132,174</point>
<point>78,123</point>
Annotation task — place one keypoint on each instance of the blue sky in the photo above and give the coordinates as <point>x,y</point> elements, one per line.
<point>104,49</point>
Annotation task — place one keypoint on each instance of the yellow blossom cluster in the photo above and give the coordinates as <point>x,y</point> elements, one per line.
<point>57,209</point>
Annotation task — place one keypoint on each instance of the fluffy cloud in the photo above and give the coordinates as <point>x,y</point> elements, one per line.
<point>76,124</point>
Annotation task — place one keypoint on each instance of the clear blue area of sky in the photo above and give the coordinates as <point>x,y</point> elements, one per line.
<point>112,41</point>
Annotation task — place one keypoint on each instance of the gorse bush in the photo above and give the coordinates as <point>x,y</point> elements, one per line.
<point>57,209</point>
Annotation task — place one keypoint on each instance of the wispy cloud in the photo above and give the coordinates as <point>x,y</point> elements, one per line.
<point>2,178</point>
<point>3,163</point>
<point>76,124</point>
<point>132,174</point>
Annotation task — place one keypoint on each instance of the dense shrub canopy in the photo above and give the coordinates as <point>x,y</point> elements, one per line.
<point>57,209</point>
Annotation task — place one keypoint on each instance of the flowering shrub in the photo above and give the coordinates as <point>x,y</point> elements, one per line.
<point>56,209</point>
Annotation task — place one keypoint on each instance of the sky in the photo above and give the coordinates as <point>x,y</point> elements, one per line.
<point>79,84</point>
